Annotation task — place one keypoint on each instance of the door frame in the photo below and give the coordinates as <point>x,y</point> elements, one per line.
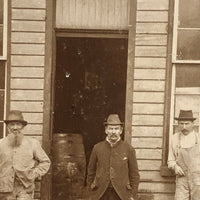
<point>50,64</point>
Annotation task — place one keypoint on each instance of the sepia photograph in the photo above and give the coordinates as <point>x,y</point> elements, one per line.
<point>99,99</point>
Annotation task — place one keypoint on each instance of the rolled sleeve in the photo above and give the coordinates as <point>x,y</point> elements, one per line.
<point>42,158</point>
<point>173,151</point>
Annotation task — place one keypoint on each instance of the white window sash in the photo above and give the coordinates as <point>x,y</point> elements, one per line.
<point>175,36</point>
<point>5,30</point>
<point>5,99</point>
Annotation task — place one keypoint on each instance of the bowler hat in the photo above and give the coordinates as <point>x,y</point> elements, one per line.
<point>113,119</point>
<point>185,115</point>
<point>15,116</point>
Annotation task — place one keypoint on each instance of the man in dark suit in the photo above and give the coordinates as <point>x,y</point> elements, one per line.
<point>113,170</point>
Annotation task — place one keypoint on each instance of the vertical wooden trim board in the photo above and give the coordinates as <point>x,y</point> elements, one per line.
<point>8,65</point>
<point>130,68</point>
<point>168,86</point>
<point>47,180</point>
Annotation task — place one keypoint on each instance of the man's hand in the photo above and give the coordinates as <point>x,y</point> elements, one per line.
<point>178,170</point>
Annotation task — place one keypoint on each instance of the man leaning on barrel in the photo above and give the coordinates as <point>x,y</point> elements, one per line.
<point>113,170</point>
<point>22,160</point>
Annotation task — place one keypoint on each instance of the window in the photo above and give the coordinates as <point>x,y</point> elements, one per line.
<point>186,61</point>
<point>3,59</point>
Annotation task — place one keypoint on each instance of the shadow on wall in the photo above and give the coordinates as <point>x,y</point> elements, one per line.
<point>145,195</point>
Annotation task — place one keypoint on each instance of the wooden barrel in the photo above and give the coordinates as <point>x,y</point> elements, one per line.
<point>69,166</point>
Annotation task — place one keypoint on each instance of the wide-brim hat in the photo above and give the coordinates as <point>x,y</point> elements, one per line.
<point>185,115</point>
<point>15,116</point>
<point>113,119</point>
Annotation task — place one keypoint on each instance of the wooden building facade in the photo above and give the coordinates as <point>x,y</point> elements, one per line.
<point>150,38</point>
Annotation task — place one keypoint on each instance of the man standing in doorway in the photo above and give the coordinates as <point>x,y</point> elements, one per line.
<point>113,170</point>
<point>184,158</point>
<point>22,160</point>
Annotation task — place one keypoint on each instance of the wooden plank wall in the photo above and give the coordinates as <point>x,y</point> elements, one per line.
<point>148,97</point>
<point>92,14</point>
<point>27,64</point>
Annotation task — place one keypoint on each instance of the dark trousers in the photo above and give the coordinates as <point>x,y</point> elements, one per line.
<point>110,194</point>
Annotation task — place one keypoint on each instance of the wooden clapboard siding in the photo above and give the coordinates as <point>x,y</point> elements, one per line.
<point>144,39</point>
<point>144,142</point>
<point>149,85</point>
<point>28,14</point>
<point>157,187</point>
<point>154,153</point>
<point>24,72</point>
<point>154,176</point>
<point>27,49</point>
<point>155,120</point>
<point>150,51</point>
<point>27,106</point>
<point>34,118</point>
<point>32,38</point>
<point>149,97</point>
<point>163,196</point>
<point>22,60</point>
<point>41,4</point>
<point>29,26</point>
<point>29,95</point>
<point>147,131</point>
<point>146,108</point>
<point>144,62</point>
<point>152,5</point>
<point>92,14</point>
<point>150,165</point>
<point>151,74</point>
<point>147,195</point>
<point>33,129</point>
<point>27,65</point>
<point>152,16</point>
<point>151,28</point>
<point>19,83</point>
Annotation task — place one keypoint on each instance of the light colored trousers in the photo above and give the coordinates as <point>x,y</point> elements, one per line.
<point>185,190</point>
<point>19,193</point>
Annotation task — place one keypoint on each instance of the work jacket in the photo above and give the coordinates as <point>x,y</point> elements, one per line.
<point>113,166</point>
<point>27,162</point>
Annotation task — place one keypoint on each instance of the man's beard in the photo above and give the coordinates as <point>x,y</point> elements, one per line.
<point>15,140</point>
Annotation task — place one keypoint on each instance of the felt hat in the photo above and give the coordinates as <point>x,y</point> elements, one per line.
<point>15,116</point>
<point>113,119</point>
<point>185,115</point>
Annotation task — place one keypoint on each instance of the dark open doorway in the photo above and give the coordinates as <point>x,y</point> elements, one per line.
<point>90,83</point>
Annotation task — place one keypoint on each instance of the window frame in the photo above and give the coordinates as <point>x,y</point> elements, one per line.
<point>170,83</point>
<point>3,57</point>
<point>175,37</point>
<point>5,28</point>
<point>175,61</point>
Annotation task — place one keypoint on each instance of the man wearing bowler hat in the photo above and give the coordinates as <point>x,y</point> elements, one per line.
<point>184,158</point>
<point>113,170</point>
<point>22,160</point>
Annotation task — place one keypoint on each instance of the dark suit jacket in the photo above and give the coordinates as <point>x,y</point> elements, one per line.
<point>116,165</point>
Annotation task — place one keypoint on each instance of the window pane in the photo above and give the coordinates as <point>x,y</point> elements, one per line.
<point>1,129</point>
<point>1,11</point>
<point>188,75</point>
<point>188,47</point>
<point>189,13</point>
<point>1,39</point>
<point>2,75</point>
<point>2,105</point>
